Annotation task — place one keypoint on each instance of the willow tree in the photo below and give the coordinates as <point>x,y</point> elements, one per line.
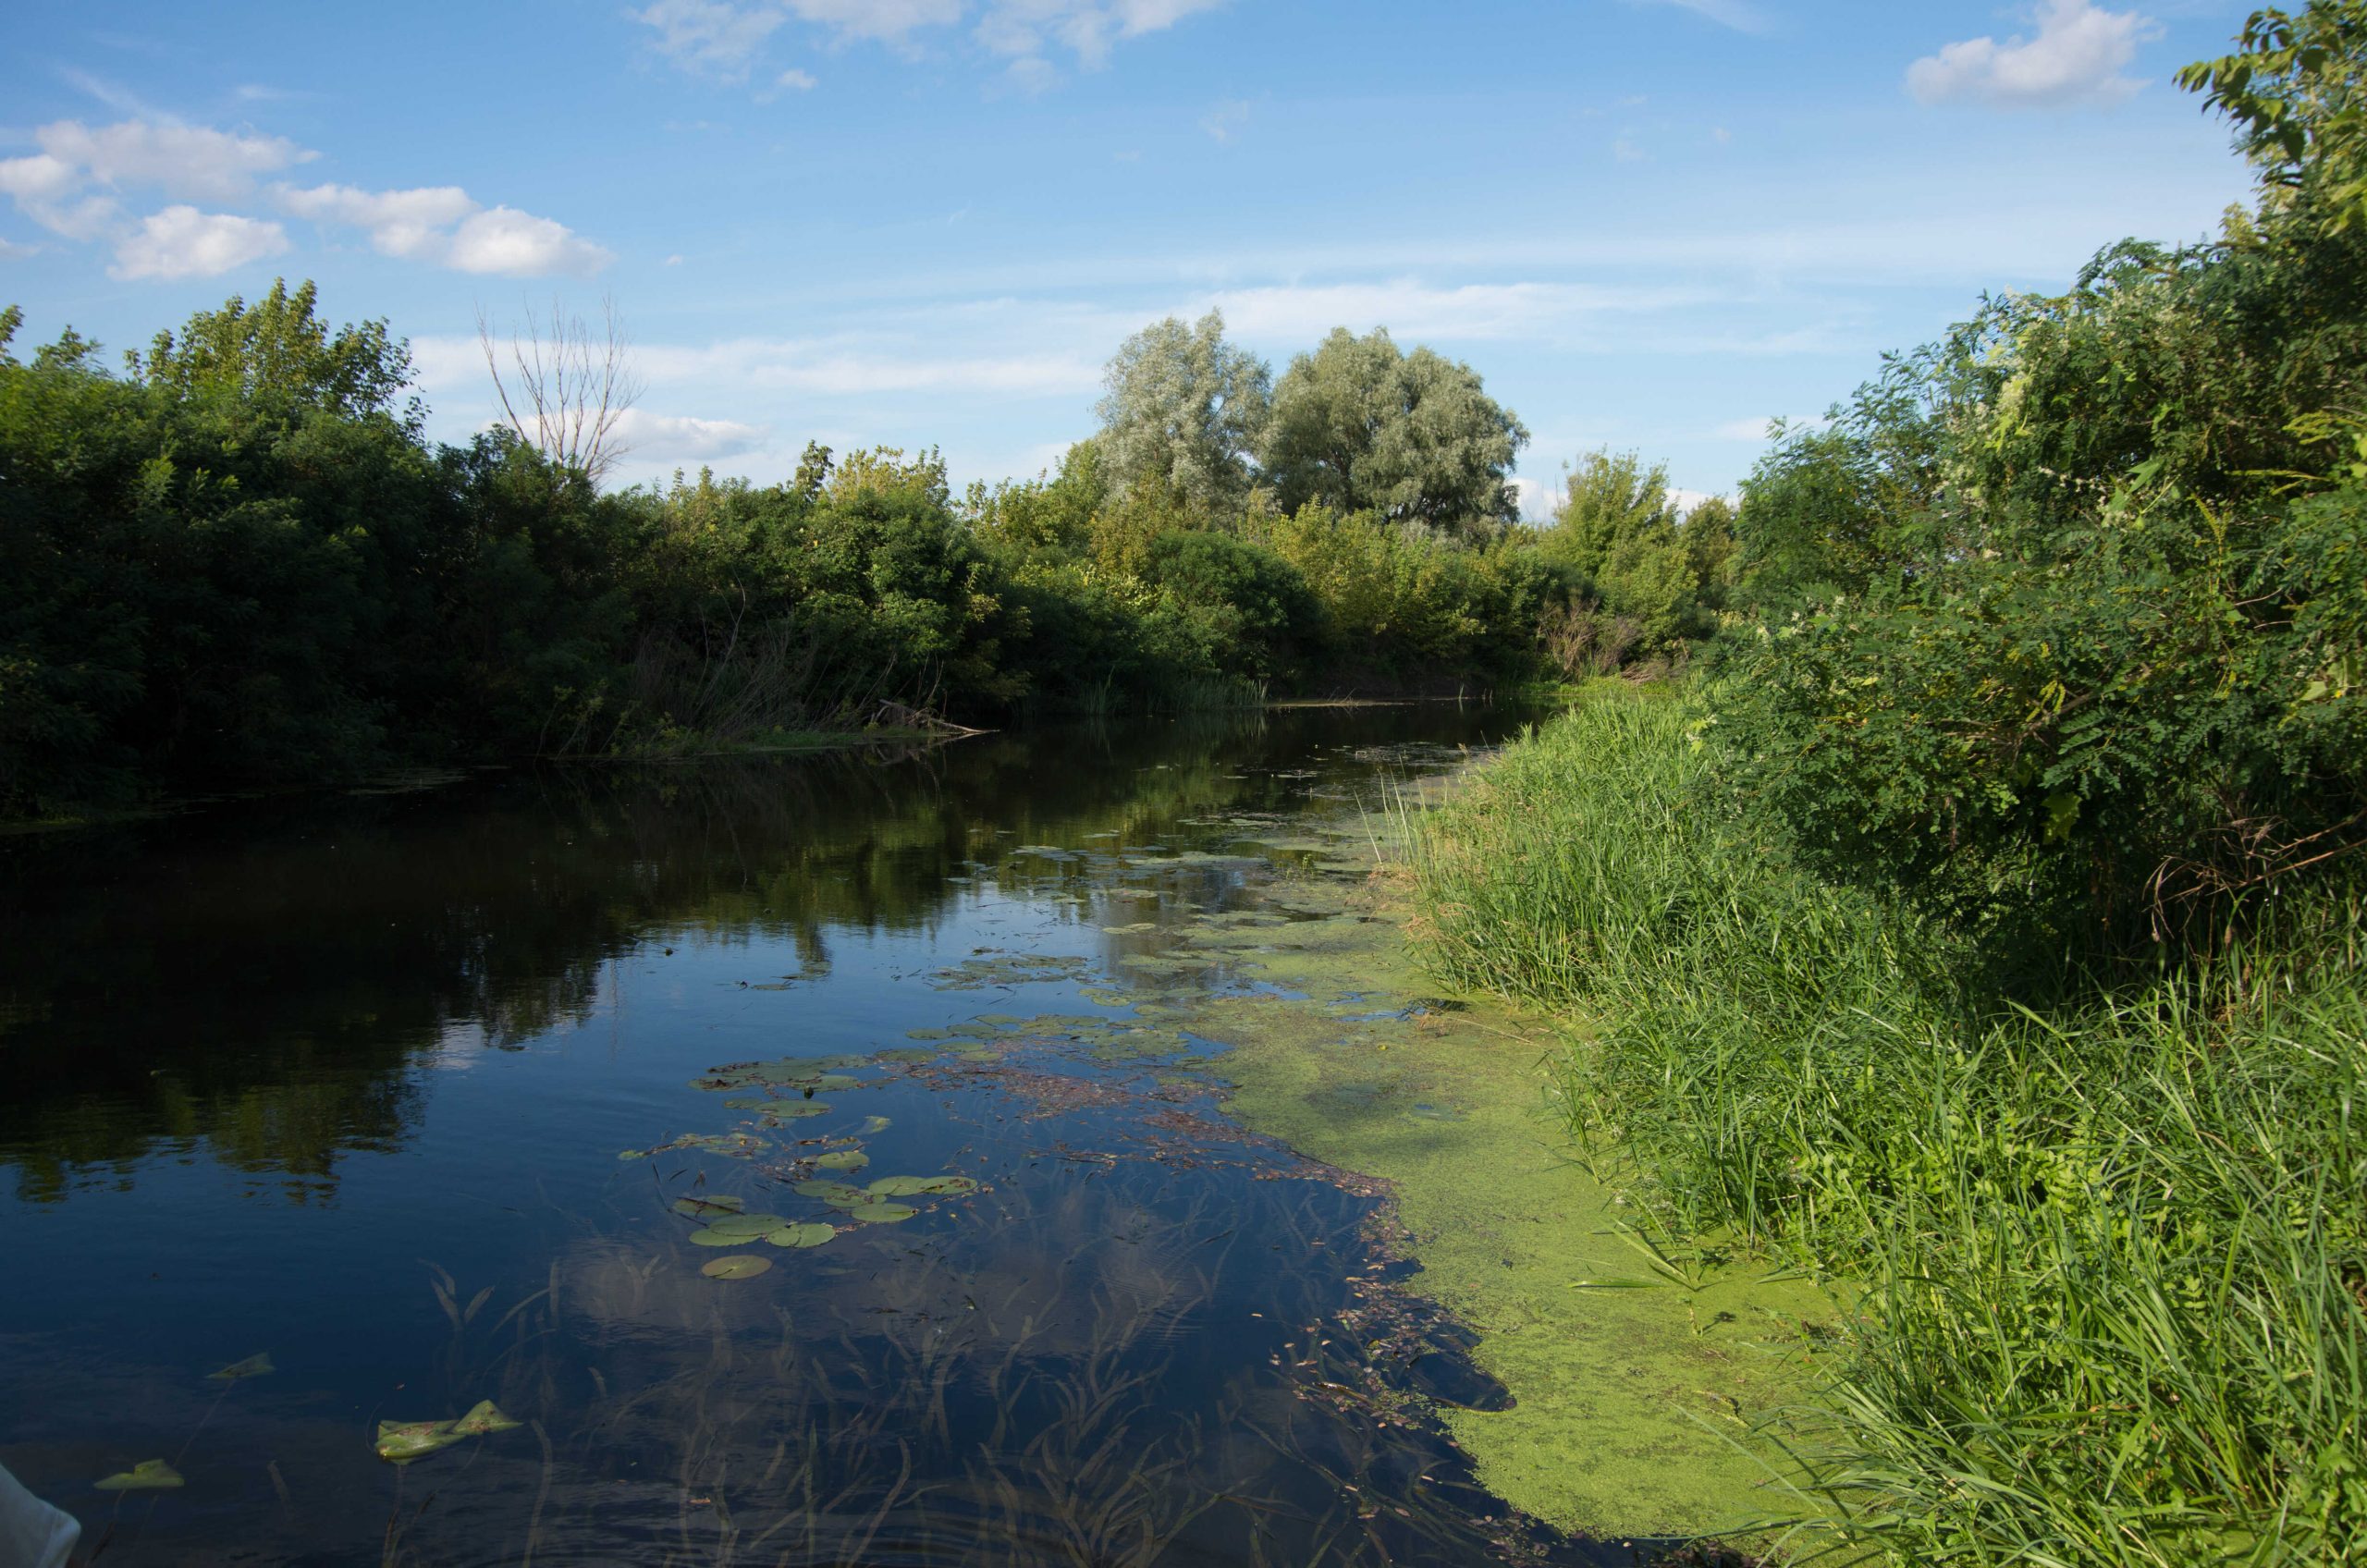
<point>1182,415</point>
<point>1359,425</point>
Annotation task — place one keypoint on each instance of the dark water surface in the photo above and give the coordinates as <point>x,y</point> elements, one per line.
<point>407,1091</point>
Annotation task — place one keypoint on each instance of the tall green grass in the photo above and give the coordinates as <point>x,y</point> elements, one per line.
<point>2107,1259</point>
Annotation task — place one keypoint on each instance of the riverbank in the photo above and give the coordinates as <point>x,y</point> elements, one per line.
<point>2104,1248</point>
<point>1634,1370</point>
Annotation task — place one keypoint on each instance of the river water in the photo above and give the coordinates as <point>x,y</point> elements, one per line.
<point>428,1096</point>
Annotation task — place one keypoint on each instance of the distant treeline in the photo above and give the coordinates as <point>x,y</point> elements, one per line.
<point>238,558</point>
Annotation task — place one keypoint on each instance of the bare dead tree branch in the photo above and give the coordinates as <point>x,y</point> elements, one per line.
<point>566,392</point>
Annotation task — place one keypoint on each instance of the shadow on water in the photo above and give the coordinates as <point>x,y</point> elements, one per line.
<point>442,1096</point>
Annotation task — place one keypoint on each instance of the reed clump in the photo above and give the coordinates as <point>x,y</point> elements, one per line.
<point>2104,1240</point>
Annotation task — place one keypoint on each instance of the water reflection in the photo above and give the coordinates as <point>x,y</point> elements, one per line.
<point>348,1079</point>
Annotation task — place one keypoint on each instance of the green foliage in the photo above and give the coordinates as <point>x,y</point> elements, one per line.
<point>277,353</point>
<point>2294,89</point>
<point>2105,1280</point>
<point>2073,587</point>
<point>1183,414</point>
<point>1359,425</point>
<point>1229,606</point>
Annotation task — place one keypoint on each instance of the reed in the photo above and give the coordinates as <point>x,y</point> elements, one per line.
<point>2106,1252</point>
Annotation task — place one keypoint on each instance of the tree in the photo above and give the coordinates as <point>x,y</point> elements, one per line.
<point>277,352</point>
<point>1183,412</point>
<point>1607,499</point>
<point>2297,91</point>
<point>566,393</point>
<point>1359,426</point>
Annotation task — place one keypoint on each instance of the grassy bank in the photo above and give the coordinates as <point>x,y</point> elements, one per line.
<point>2107,1256</point>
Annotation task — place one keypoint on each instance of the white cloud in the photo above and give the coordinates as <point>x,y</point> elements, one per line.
<point>724,37</point>
<point>188,161</point>
<point>411,224</point>
<point>1414,311</point>
<point>710,37</point>
<point>442,225</point>
<point>40,177</point>
<point>10,250</point>
<point>670,438</point>
<point>504,240</point>
<point>2078,56</point>
<point>180,242</point>
<point>1743,16</point>
<point>797,81</point>
<point>885,21</point>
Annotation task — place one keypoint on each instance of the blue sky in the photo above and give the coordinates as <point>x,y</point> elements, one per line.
<point>1648,224</point>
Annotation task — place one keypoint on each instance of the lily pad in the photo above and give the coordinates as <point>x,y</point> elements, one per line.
<point>700,1209</point>
<point>841,1159</point>
<point>874,1125</point>
<point>809,1235</point>
<point>713,1238</point>
<point>837,1194</point>
<point>254,1365</point>
<point>923,1034</point>
<point>738,1265</point>
<point>746,1224</point>
<point>911,1053</point>
<point>906,1186</point>
<point>979,1055</point>
<point>881,1213</point>
<point>482,1417</point>
<point>399,1443</point>
<point>798,1110</point>
<point>633,1154</point>
<point>148,1474</point>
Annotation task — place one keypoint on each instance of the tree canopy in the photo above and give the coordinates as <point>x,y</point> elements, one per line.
<point>1182,414</point>
<point>1359,425</point>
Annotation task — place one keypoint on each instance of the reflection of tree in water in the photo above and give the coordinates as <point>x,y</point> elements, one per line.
<point>261,978</point>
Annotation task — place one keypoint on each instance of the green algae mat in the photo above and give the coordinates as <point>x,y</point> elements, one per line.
<point>1635,1368</point>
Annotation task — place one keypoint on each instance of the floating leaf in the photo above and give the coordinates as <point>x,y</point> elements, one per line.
<point>979,1056</point>
<point>905,1186</point>
<point>921,1034</point>
<point>484,1416</point>
<point>700,1209</point>
<point>874,1125</point>
<point>747,1102</point>
<point>399,1443</point>
<point>809,1235</point>
<point>254,1367</point>
<point>746,1224</point>
<point>833,1082</point>
<point>841,1159</point>
<point>633,1154</point>
<point>148,1474</point>
<point>740,1265</point>
<point>881,1213</point>
<point>797,1110</point>
<point>713,1238</point>
<point>911,1053</point>
<point>837,1194</point>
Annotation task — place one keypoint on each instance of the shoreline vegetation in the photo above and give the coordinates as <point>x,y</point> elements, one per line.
<point>1979,928</point>
<point>238,559</point>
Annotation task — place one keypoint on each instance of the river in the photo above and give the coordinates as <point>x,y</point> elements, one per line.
<point>809,1156</point>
